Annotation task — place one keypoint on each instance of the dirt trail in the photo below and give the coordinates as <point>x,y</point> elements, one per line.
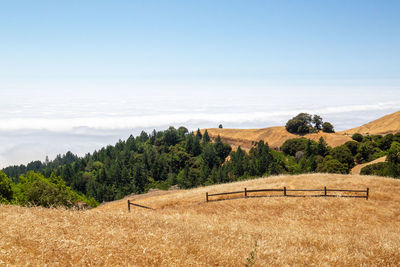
<point>357,168</point>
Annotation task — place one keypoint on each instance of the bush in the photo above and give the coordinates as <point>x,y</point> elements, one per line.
<point>304,123</point>
<point>291,146</point>
<point>393,159</point>
<point>6,192</point>
<point>353,146</point>
<point>301,124</point>
<point>327,127</point>
<point>379,169</point>
<point>330,165</point>
<point>35,189</point>
<point>344,156</point>
<point>365,152</point>
<point>357,137</point>
<point>385,142</point>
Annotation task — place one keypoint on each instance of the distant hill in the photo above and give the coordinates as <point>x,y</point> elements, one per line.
<point>385,125</point>
<point>276,136</point>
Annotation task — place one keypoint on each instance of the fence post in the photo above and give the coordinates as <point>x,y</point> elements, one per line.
<point>325,190</point>
<point>284,191</point>
<point>367,193</point>
<point>129,205</point>
<point>206,196</point>
<point>245,192</point>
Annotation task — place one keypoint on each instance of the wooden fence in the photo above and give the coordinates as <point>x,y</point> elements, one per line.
<point>289,193</point>
<point>137,205</point>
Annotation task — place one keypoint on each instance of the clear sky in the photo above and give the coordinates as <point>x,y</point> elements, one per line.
<point>78,75</point>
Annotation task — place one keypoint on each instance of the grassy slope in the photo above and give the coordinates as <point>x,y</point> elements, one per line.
<point>385,125</point>
<point>184,231</point>
<point>276,136</point>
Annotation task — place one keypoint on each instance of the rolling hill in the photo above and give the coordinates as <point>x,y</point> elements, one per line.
<point>276,136</point>
<point>183,230</point>
<point>385,125</point>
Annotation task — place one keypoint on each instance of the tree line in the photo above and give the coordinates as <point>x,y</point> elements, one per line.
<point>163,159</point>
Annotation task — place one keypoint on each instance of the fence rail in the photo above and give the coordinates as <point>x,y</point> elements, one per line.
<point>137,205</point>
<point>285,191</point>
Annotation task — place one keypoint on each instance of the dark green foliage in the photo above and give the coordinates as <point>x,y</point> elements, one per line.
<point>385,142</point>
<point>305,123</point>
<point>238,163</point>
<point>176,157</point>
<point>344,156</point>
<point>327,127</point>
<point>357,137</point>
<point>365,152</point>
<point>353,146</point>
<point>35,189</point>
<point>206,138</point>
<point>160,159</point>
<point>322,147</point>
<point>389,168</point>
<point>393,159</point>
<point>396,137</point>
<point>220,126</point>
<point>6,192</point>
<point>300,124</point>
<point>317,120</point>
<point>380,169</point>
<point>223,150</point>
<point>259,159</point>
<point>331,165</point>
<point>291,146</point>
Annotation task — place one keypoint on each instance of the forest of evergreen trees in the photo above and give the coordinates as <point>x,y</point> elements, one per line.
<point>176,157</point>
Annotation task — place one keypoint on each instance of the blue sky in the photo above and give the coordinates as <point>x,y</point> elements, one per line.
<point>82,74</point>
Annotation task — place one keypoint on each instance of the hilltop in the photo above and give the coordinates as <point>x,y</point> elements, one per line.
<point>183,230</point>
<point>276,136</point>
<point>385,125</point>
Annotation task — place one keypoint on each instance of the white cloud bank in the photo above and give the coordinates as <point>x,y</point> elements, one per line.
<point>34,124</point>
<point>211,118</point>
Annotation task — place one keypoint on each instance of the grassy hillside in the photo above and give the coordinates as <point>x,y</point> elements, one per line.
<point>385,125</point>
<point>276,136</point>
<point>185,231</point>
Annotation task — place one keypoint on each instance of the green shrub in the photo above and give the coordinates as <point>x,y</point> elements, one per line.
<point>327,127</point>
<point>357,137</point>
<point>380,169</point>
<point>344,156</point>
<point>35,189</point>
<point>331,165</point>
<point>353,146</point>
<point>6,192</point>
<point>291,146</point>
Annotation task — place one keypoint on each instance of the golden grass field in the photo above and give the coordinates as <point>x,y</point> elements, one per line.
<point>276,136</point>
<point>385,125</point>
<point>183,230</point>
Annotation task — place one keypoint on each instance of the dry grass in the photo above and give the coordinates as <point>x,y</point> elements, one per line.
<point>275,136</point>
<point>185,231</point>
<point>385,125</point>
